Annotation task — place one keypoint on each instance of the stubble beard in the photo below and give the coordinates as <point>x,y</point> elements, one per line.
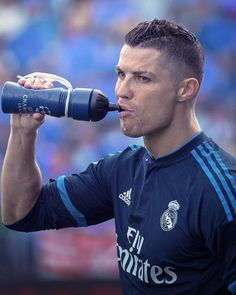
<point>132,131</point>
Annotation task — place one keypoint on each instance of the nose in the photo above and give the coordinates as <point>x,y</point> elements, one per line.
<point>123,89</point>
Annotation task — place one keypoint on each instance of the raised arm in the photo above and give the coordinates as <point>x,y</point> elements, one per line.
<point>21,179</point>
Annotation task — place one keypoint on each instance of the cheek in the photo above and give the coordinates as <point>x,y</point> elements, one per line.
<point>117,85</point>
<point>158,108</point>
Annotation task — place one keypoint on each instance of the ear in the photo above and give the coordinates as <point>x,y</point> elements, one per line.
<point>187,89</point>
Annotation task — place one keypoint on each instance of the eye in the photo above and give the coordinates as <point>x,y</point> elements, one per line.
<point>120,74</point>
<point>142,78</point>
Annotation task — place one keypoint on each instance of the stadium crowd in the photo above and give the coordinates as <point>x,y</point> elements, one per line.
<point>80,40</point>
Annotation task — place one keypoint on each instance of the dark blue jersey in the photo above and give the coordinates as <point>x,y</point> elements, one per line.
<point>175,216</point>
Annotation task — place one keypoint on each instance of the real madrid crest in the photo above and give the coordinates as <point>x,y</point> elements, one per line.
<point>170,216</point>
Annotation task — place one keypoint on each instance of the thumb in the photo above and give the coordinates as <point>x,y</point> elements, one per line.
<point>38,117</point>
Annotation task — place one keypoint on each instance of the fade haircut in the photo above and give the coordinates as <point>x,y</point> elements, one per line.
<point>180,46</point>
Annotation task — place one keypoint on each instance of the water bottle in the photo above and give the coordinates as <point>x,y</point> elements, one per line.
<point>80,103</point>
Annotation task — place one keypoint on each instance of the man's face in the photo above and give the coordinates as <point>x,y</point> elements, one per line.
<point>145,90</point>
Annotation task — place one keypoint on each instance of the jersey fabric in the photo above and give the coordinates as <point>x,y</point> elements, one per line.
<point>175,216</point>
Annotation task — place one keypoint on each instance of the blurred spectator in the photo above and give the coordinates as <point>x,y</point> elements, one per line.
<point>80,40</point>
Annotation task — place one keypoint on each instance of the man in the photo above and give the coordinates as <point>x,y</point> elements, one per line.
<point>173,200</point>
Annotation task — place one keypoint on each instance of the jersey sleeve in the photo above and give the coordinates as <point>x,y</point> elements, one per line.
<point>218,225</point>
<point>222,244</point>
<point>70,201</point>
<point>218,207</point>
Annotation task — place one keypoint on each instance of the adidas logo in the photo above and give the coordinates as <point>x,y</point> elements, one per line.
<point>126,196</point>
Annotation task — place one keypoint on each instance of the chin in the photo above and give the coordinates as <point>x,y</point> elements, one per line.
<point>131,134</point>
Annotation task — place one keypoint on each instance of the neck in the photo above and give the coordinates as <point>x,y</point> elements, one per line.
<point>171,138</point>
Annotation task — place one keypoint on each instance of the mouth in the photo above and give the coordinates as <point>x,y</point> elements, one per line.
<point>124,108</point>
<point>125,111</point>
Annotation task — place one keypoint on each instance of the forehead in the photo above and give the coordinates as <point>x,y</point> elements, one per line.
<point>136,58</point>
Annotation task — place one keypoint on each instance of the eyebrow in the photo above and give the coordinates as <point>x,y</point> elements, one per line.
<point>135,72</point>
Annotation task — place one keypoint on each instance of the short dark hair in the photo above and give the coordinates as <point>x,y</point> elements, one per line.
<point>180,45</point>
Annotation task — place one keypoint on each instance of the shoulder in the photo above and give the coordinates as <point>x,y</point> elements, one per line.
<point>216,178</point>
<point>209,149</point>
<point>214,161</point>
<point>125,160</point>
<point>131,154</point>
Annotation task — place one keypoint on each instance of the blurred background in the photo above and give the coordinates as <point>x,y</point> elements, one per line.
<point>81,40</point>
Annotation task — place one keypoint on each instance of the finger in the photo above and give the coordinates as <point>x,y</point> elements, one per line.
<point>47,85</point>
<point>22,81</point>
<point>39,83</point>
<point>35,82</point>
<point>38,117</point>
<point>29,83</point>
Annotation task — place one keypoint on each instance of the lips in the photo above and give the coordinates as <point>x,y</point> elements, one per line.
<point>125,108</point>
<point>124,114</point>
<point>125,111</point>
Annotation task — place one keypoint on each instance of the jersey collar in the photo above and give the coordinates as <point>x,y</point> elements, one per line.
<point>179,153</point>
